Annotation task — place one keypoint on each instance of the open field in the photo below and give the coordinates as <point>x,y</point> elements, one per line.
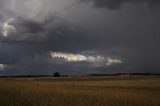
<point>81,91</point>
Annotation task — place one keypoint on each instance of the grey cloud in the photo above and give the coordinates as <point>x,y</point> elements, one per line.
<point>37,10</point>
<point>115,4</point>
<point>130,34</point>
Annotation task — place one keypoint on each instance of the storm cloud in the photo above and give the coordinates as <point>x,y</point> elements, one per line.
<point>79,37</point>
<point>115,4</point>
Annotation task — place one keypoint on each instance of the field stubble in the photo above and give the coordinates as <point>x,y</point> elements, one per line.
<point>81,91</point>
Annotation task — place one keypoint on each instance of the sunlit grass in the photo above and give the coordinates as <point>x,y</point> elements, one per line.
<point>80,92</point>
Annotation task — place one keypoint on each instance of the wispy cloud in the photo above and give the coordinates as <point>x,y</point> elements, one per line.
<point>7,28</point>
<point>71,57</point>
<point>111,61</point>
<point>2,66</point>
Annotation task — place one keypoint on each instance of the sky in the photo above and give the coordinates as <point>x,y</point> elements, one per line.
<point>41,37</point>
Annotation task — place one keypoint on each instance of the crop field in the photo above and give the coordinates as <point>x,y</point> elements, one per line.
<point>81,91</point>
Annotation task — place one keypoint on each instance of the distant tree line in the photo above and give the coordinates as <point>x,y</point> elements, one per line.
<point>57,74</point>
<point>117,74</point>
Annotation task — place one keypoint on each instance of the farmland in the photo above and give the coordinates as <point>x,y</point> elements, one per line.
<point>81,91</point>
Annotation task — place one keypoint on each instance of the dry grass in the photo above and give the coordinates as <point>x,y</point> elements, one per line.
<point>82,91</point>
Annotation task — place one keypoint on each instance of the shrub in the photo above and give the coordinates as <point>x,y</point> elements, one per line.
<point>56,74</point>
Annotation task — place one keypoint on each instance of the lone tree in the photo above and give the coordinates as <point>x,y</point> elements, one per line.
<point>56,74</point>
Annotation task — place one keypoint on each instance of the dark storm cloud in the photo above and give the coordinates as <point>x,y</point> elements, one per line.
<point>130,35</point>
<point>115,4</point>
<point>27,50</point>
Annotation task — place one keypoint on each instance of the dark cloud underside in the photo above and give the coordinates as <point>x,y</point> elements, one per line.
<point>124,33</point>
<point>114,4</point>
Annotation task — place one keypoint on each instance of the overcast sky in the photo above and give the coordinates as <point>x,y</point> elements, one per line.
<point>79,36</point>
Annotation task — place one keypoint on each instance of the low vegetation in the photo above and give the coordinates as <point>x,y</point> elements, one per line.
<point>81,91</point>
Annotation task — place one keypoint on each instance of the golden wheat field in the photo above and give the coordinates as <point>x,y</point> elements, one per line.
<point>81,91</point>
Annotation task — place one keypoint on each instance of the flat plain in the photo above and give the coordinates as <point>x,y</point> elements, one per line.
<point>81,91</point>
